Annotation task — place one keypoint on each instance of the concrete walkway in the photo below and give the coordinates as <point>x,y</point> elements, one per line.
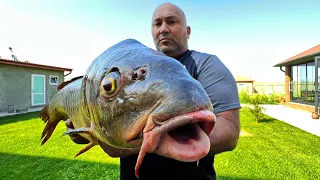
<point>298,118</point>
<point>2,114</point>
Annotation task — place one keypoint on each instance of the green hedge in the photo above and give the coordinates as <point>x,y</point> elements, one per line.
<point>246,98</point>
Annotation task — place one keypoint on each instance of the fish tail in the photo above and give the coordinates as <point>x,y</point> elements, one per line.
<point>51,119</point>
<point>47,131</point>
<point>44,113</point>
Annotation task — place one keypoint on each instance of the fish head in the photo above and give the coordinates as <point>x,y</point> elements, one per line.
<point>137,97</point>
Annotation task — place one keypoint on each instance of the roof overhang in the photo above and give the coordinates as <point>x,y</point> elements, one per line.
<point>245,81</point>
<point>301,60</point>
<point>32,65</point>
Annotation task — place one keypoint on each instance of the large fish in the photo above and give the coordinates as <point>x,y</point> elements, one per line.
<point>135,97</point>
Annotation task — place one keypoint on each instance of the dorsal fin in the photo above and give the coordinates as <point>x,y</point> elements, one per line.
<point>67,82</point>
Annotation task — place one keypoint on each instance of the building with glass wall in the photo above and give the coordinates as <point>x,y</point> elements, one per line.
<point>302,79</point>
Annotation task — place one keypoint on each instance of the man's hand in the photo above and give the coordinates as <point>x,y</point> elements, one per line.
<point>226,131</point>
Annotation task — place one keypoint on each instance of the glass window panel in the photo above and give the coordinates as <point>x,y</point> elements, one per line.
<point>310,73</point>
<point>294,83</point>
<point>302,85</point>
<point>302,76</point>
<point>38,84</point>
<point>53,80</point>
<point>310,82</point>
<point>38,98</point>
<point>302,82</point>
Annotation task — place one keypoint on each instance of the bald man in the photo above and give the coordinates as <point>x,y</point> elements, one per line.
<point>170,35</point>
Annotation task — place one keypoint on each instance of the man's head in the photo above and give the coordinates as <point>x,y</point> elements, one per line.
<point>169,30</point>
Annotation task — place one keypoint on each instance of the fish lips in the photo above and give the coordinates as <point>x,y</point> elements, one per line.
<point>184,148</point>
<point>197,122</point>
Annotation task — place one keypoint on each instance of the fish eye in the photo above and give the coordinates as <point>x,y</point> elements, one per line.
<point>109,83</point>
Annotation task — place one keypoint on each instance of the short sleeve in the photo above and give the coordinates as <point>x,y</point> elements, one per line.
<point>217,81</point>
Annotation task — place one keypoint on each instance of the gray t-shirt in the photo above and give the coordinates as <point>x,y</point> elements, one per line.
<point>220,85</point>
<point>214,77</point>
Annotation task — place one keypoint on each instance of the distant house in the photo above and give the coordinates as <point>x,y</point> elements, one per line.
<point>25,85</point>
<point>244,84</point>
<point>302,79</point>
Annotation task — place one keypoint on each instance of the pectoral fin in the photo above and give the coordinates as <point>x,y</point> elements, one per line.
<point>85,149</point>
<point>85,130</point>
<point>70,131</point>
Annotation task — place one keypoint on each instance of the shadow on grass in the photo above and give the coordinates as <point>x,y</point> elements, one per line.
<point>267,119</point>
<point>235,178</point>
<point>15,166</point>
<point>18,117</point>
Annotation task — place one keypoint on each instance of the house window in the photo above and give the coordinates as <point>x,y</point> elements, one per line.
<point>54,80</point>
<point>302,85</point>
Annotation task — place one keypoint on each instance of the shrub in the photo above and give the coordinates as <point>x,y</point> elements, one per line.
<point>257,110</point>
<point>245,98</point>
<point>256,100</point>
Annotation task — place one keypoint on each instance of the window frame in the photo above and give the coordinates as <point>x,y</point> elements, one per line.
<point>53,76</point>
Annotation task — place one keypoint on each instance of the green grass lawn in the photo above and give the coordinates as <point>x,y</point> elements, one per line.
<point>268,150</point>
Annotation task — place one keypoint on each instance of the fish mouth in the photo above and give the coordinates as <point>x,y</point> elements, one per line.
<point>184,137</point>
<point>185,143</point>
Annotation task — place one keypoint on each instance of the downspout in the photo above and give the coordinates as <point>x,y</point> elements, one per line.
<point>252,87</point>
<point>68,73</point>
<point>285,99</point>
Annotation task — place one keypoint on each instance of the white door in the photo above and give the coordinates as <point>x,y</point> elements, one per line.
<point>38,85</point>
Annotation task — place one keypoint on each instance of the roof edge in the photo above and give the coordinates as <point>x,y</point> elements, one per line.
<point>283,63</point>
<point>26,64</point>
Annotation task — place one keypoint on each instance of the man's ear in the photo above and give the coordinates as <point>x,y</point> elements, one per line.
<point>188,31</point>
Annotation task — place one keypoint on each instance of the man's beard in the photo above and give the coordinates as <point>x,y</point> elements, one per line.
<point>170,49</point>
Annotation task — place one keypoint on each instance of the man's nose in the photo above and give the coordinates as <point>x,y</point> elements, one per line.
<point>164,28</point>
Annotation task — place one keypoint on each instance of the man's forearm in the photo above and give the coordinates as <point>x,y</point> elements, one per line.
<point>225,134</point>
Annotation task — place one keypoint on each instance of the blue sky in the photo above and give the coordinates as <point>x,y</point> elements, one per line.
<point>248,36</point>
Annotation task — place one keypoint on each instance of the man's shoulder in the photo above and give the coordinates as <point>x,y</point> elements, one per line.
<point>202,56</point>
<point>204,59</point>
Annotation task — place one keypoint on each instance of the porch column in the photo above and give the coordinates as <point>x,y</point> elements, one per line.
<point>287,84</point>
<point>316,94</point>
